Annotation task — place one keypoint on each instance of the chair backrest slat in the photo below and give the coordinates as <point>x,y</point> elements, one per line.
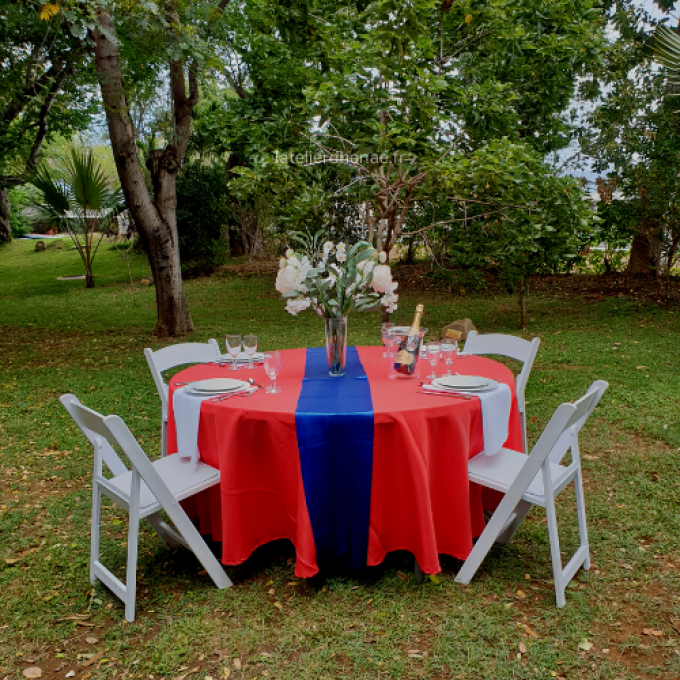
<point>510,346</point>
<point>110,457</point>
<point>498,343</point>
<point>590,401</point>
<point>178,355</point>
<point>114,431</point>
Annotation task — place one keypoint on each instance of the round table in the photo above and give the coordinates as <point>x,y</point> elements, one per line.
<point>418,490</point>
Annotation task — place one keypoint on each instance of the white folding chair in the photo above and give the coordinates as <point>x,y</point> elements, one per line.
<point>143,491</point>
<point>535,479</point>
<point>514,348</point>
<point>171,357</point>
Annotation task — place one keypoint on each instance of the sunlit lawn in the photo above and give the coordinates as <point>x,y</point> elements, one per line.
<point>57,337</point>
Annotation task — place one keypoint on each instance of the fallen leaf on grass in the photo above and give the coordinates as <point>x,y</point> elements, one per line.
<point>32,672</point>
<point>74,617</point>
<point>435,579</point>
<point>278,605</point>
<point>401,575</point>
<point>530,632</point>
<point>585,645</point>
<point>186,675</point>
<point>237,663</point>
<point>521,594</point>
<point>70,674</point>
<point>91,640</point>
<point>652,631</point>
<point>522,648</point>
<point>94,658</point>
<point>226,673</point>
<point>11,560</point>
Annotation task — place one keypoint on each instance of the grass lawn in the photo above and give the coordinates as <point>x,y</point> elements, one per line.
<point>622,618</point>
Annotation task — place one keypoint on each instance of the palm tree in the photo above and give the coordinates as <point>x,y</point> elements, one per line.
<point>81,201</point>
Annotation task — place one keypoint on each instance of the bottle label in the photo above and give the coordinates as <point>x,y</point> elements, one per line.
<point>403,357</point>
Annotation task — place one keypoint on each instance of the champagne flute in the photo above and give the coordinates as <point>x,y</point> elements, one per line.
<point>234,348</point>
<point>434,353</point>
<point>250,347</point>
<point>272,367</point>
<point>384,329</point>
<point>449,349</point>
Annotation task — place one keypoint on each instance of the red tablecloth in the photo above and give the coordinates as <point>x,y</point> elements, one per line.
<point>421,500</point>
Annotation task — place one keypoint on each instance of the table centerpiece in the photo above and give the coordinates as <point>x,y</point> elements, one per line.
<point>334,280</point>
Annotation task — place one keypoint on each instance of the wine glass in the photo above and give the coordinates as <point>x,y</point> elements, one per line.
<point>434,354</point>
<point>449,349</point>
<point>234,348</point>
<point>385,328</point>
<point>272,367</point>
<point>250,347</point>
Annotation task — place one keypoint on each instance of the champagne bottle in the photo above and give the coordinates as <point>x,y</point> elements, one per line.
<point>405,360</point>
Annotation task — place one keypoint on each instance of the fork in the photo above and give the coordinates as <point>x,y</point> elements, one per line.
<point>224,397</point>
<point>446,394</point>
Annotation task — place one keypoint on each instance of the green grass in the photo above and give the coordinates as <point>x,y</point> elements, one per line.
<point>57,337</point>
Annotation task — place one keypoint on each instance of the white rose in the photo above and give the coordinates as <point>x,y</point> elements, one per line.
<point>282,262</point>
<point>285,279</point>
<point>290,252</point>
<point>382,278</point>
<point>294,307</point>
<point>383,257</point>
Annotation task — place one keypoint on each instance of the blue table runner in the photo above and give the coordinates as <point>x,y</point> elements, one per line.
<point>334,422</point>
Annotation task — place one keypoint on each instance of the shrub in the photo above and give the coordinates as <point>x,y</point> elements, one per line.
<point>18,200</point>
<point>202,212</point>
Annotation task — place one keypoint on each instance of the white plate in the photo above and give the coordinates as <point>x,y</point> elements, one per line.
<point>464,383</point>
<point>216,385</point>
<point>242,358</point>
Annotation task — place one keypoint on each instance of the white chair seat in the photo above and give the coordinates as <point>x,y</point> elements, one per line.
<point>180,477</point>
<point>500,470</point>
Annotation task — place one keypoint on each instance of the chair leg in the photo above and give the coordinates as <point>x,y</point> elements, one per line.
<point>523,418</point>
<point>417,571</point>
<point>581,512</point>
<point>521,511</point>
<point>555,550</point>
<point>94,528</point>
<point>485,542</point>
<point>164,437</point>
<point>169,537</point>
<point>133,535</point>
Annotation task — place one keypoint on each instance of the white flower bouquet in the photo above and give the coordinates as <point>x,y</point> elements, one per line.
<point>333,279</point>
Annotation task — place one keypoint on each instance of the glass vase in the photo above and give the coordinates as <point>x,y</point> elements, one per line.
<point>336,344</point>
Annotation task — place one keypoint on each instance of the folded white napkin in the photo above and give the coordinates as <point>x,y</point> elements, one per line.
<point>187,412</point>
<point>496,405</point>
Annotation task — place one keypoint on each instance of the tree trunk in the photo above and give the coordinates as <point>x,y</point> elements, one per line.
<point>156,220</point>
<point>235,243</point>
<point>251,234</point>
<point>642,261</point>
<point>411,252</point>
<point>522,303</point>
<point>5,211</point>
